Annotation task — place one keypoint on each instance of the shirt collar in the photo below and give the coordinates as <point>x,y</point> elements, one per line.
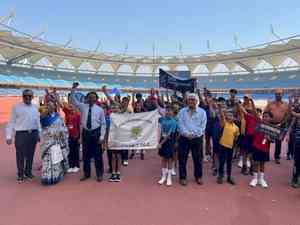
<point>189,110</point>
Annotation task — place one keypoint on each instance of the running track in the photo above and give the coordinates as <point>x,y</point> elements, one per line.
<point>138,200</point>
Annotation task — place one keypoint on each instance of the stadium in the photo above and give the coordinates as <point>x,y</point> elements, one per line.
<point>29,61</point>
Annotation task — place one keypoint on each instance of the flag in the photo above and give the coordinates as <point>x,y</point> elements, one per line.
<point>169,80</point>
<point>129,131</point>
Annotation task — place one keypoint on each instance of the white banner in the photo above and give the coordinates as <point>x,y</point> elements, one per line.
<point>134,131</point>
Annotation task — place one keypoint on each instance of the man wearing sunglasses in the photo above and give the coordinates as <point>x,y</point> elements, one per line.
<point>25,123</point>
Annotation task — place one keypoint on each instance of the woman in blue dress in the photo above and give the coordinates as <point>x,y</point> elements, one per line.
<point>168,127</point>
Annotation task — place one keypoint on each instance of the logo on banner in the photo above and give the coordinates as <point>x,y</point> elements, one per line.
<point>136,132</point>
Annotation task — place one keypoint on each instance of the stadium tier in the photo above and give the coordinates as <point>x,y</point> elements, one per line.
<point>20,76</point>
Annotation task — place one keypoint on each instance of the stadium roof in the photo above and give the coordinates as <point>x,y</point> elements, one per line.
<point>16,46</point>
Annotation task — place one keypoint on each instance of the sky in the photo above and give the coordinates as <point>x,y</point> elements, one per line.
<point>166,23</point>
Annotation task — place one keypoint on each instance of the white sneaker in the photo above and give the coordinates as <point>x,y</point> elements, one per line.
<point>240,163</point>
<point>173,172</point>
<point>70,170</point>
<point>263,183</point>
<point>125,163</point>
<point>169,178</point>
<point>164,176</point>
<point>253,182</point>
<point>76,170</point>
<point>248,163</point>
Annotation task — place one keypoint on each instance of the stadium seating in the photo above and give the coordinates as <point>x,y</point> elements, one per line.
<point>52,78</point>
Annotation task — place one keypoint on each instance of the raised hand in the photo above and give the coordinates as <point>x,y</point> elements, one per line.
<point>75,85</point>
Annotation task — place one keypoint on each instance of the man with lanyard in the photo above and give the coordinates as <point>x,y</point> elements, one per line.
<point>25,122</point>
<point>93,124</point>
<point>192,122</point>
<point>281,112</point>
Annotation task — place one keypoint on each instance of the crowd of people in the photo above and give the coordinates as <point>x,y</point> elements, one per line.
<point>227,126</point>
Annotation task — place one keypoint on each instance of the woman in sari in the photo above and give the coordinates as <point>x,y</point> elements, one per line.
<point>54,146</point>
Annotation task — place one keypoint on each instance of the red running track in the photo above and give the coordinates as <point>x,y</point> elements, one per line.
<point>138,200</point>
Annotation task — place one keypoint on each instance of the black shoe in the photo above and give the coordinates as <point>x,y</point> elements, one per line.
<point>84,178</point>
<point>288,157</point>
<point>199,181</point>
<point>118,177</point>
<point>277,161</point>
<point>230,181</point>
<point>112,177</point>
<point>142,156</point>
<point>183,182</point>
<point>29,177</point>
<point>131,156</point>
<point>295,183</point>
<point>215,172</point>
<point>99,179</point>
<point>220,180</point>
<point>244,171</point>
<point>20,180</point>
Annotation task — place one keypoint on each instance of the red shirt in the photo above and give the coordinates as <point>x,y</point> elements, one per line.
<point>72,119</point>
<point>260,142</point>
<point>251,122</point>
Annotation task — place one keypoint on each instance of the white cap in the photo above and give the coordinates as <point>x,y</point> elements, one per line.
<point>192,96</point>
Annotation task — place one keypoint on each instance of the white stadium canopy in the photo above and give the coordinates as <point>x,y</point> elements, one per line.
<point>21,48</point>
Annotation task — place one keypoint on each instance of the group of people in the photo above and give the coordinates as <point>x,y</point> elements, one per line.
<point>227,126</point>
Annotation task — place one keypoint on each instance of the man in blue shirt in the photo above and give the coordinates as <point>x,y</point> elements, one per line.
<point>192,123</point>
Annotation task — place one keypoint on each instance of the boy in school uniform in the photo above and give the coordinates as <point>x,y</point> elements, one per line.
<point>227,141</point>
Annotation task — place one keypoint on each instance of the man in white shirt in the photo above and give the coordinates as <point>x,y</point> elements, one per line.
<point>25,124</point>
<point>192,123</point>
<point>93,132</point>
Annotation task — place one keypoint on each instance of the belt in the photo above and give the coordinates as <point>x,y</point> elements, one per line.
<point>90,130</point>
<point>27,131</point>
<point>195,137</point>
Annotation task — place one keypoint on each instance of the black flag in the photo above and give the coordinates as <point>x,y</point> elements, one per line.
<point>170,81</point>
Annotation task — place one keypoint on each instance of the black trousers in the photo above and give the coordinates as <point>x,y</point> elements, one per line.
<point>277,149</point>
<point>124,155</point>
<point>291,146</point>
<point>296,168</point>
<point>109,158</point>
<point>25,143</point>
<point>74,152</point>
<point>225,155</point>
<point>297,163</point>
<point>196,147</point>
<point>92,149</point>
